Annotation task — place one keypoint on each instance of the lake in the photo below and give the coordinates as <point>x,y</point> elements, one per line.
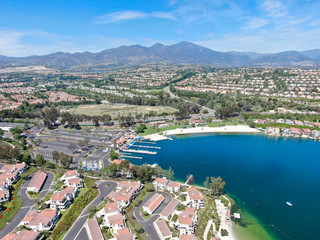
<point>262,173</point>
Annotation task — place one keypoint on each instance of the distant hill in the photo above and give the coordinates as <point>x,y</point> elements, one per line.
<point>183,52</point>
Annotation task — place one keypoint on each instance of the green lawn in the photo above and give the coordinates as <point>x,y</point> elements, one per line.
<point>152,130</point>
<point>32,194</point>
<point>234,121</point>
<point>122,109</point>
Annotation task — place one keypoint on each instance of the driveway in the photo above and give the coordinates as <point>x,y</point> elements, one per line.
<point>77,227</point>
<point>148,225</point>
<point>27,204</point>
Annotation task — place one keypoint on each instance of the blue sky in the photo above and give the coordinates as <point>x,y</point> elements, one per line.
<point>39,27</point>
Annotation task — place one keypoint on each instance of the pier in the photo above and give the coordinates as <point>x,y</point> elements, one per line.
<point>141,146</point>
<point>127,156</point>
<point>139,151</point>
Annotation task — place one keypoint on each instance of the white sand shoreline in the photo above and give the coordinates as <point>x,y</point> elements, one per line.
<point>197,130</point>
<point>226,223</point>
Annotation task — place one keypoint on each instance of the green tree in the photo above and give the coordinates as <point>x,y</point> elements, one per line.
<point>55,156</point>
<point>40,161</point>
<point>206,183</point>
<point>113,155</point>
<point>27,158</point>
<point>217,185</point>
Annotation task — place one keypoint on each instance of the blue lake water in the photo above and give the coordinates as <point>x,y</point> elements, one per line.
<point>262,173</point>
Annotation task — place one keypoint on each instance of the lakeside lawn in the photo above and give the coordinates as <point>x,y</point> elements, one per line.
<point>122,109</point>
<point>153,130</point>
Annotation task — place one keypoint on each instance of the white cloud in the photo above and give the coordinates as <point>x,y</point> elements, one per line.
<point>129,15</point>
<point>256,23</point>
<point>275,8</point>
<point>267,41</point>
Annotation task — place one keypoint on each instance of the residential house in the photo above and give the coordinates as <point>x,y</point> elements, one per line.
<point>125,192</point>
<point>110,209</point>
<point>115,222</point>
<point>124,234</point>
<point>25,235</point>
<point>41,221</point>
<point>162,184</point>
<point>4,195</point>
<point>187,221</point>
<point>295,131</point>
<point>188,237</point>
<point>194,198</point>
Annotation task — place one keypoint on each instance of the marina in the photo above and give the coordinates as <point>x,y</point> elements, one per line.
<point>260,184</point>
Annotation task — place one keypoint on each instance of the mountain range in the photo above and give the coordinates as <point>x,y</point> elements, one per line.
<point>180,53</point>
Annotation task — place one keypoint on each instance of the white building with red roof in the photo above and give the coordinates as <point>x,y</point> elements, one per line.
<point>4,195</point>
<point>187,221</point>
<point>188,237</point>
<point>41,221</point>
<point>124,234</point>
<point>125,192</point>
<point>37,182</point>
<point>162,184</point>
<point>61,200</point>
<point>153,203</point>
<point>25,235</point>
<point>72,178</point>
<point>194,198</point>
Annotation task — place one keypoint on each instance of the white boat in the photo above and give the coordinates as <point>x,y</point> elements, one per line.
<point>289,204</point>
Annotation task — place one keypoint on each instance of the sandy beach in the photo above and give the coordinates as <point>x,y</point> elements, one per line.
<point>226,223</point>
<point>181,131</point>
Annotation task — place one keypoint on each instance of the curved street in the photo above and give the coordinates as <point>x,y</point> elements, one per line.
<point>77,227</point>
<point>27,203</point>
<point>148,224</point>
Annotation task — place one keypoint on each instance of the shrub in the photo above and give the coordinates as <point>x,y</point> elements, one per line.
<point>224,232</point>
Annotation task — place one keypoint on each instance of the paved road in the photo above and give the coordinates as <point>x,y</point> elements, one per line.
<point>27,204</point>
<point>148,225</point>
<point>77,227</point>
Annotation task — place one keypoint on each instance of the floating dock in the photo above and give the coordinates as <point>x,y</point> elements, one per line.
<point>126,156</point>
<point>141,146</point>
<point>139,151</point>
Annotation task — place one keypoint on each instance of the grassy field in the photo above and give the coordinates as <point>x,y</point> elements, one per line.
<point>122,109</point>
<point>152,130</point>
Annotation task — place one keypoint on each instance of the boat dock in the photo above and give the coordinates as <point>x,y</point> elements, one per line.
<point>139,151</point>
<point>141,146</point>
<point>127,156</point>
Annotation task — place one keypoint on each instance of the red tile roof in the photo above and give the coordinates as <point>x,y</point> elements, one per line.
<point>37,180</point>
<point>124,234</point>
<point>94,230</point>
<point>163,228</point>
<point>188,237</point>
<point>154,202</point>
<point>194,194</point>
<point>24,234</point>
<point>169,208</point>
